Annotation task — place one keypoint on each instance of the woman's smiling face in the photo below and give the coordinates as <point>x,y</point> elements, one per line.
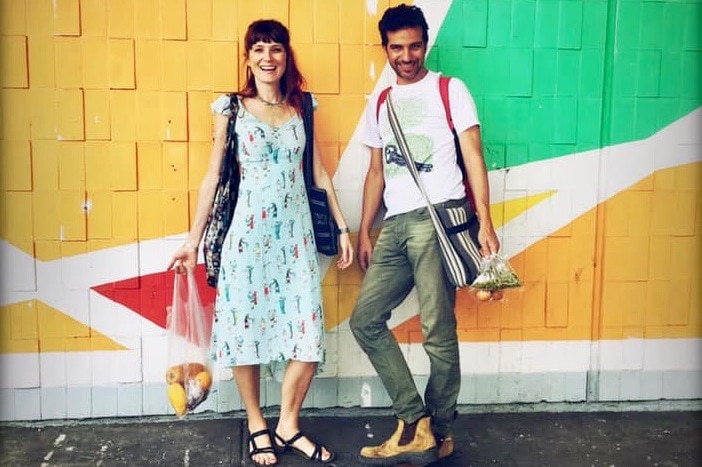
<point>267,61</point>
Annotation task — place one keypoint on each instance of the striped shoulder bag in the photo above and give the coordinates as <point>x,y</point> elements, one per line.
<point>456,227</point>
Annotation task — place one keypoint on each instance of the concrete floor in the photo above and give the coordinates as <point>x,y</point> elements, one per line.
<point>535,438</point>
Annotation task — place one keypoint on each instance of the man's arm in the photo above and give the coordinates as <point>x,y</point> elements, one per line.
<point>472,148</point>
<point>372,197</point>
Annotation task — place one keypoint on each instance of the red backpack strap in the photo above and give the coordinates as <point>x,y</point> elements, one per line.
<point>444,91</point>
<point>381,98</point>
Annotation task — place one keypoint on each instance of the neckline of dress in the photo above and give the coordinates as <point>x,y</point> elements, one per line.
<point>272,127</point>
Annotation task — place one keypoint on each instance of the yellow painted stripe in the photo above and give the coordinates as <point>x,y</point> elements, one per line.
<point>652,258</point>
<point>505,211</point>
<point>33,326</point>
<point>349,281</point>
<point>648,272</point>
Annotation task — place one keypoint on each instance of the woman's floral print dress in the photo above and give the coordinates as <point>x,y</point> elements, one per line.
<point>269,304</point>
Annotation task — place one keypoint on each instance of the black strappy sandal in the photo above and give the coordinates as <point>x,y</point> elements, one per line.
<point>254,449</point>
<point>316,454</point>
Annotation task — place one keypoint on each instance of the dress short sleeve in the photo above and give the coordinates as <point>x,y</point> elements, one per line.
<point>221,106</point>
<point>315,104</point>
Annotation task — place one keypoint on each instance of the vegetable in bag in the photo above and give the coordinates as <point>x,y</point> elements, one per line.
<point>495,275</point>
<point>188,326</point>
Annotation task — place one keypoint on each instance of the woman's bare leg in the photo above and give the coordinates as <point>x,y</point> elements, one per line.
<point>296,382</point>
<point>248,382</point>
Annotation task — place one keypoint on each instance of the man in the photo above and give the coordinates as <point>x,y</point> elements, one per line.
<point>407,253</point>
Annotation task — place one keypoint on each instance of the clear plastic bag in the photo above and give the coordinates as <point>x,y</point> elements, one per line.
<point>189,327</point>
<point>495,273</point>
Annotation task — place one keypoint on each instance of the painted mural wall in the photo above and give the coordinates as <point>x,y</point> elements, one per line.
<point>590,112</point>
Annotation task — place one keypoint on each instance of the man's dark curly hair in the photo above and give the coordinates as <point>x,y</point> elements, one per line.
<point>402,17</point>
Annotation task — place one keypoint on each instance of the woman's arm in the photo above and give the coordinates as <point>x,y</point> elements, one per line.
<point>322,180</point>
<point>186,255</point>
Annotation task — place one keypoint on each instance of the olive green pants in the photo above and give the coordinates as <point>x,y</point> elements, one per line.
<point>407,255</point>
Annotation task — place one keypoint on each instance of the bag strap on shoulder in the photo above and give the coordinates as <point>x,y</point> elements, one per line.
<point>229,163</point>
<point>443,90</point>
<point>233,109</point>
<point>308,123</point>
<point>381,99</point>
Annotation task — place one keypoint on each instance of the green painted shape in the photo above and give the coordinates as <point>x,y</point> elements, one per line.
<point>476,34</point>
<point>553,77</point>
<point>570,25</point>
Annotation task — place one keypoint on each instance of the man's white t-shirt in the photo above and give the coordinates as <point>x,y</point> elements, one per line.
<point>423,120</point>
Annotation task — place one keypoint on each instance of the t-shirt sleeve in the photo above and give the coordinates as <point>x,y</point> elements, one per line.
<point>370,132</point>
<point>463,109</point>
<point>221,106</point>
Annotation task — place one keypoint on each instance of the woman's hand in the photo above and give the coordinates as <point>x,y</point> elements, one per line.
<point>183,259</point>
<point>346,257</point>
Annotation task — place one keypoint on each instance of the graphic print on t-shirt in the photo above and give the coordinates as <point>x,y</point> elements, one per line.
<point>409,113</point>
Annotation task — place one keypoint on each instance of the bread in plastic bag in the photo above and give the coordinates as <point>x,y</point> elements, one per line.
<point>189,328</point>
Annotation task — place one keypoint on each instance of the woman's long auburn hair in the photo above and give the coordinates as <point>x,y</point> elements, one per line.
<point>292,81</point>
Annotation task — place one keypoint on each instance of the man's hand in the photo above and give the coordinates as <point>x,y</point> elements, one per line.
<point>365,251</point>
<point>489,243</point>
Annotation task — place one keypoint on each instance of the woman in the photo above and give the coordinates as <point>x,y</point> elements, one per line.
<point>269,305</point>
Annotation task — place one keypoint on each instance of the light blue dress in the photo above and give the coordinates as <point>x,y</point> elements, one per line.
<point>269,303</point>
